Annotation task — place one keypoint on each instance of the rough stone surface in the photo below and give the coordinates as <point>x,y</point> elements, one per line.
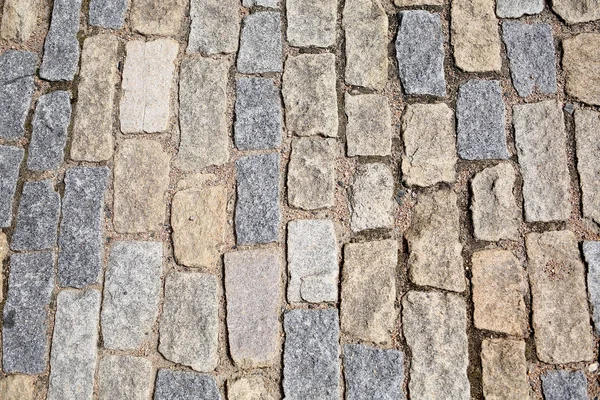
<point>24,331</point>
<point>261,3</point>
<point>17,69</point>
<point>369,127</point>
<point>3,254</point>
<point>61,48</point>
<point>365,25</point>
<point>433,240</point>
<point>49,136</point>
<point>158,17</point>
<point>312,261</point>
<point>141,167</point>
<point>257,213</point>
<point>37,218</point>
<point>252,288</point>
<point>125,377</point>
<point>261,48</point>
<point>495,212</point>
<point>371,373</point>
<point>409,3</point>
<point>10,161</point>
<point>561,384</point>
<point>480,113</point>
<point>587,137</point>
<point>518,8</point>
<point>591,253</point>
<point>81,254</point>
<point>147,85</point>
<point>182,385</point>
<point>309,94</point>
<point>107,13</point>
<point>74,351</point>
<point>576,11</point>
<point>258,119</point>
<point>311,173</point>
<point>372,197</point>
<point>251,388</point>
<point>204,119</point>
<point>430,144</point>
<point>311,354</point>
<point>420,53</point>
<point>581,63</point>
<point>215,26</point>
<point>561,320</point>
<point>19,19</point>
<point>311,23</point>
<point>17,387</point>
<point>504,369</point>
<point>369,290</point>
<point>546,181</point>
<point>189,325</point>
<point>530,51</point>
<point>132,289</point>
<point>499,290</point>
<point>93,129</point>
<point>435,327</point>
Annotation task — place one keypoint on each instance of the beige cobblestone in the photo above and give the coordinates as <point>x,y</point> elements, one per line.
<point>587,137</point>
<point>19,19</point>
<point>311,22</point>
<point>369,127</point>
<point>504,369</point>
<point>215,26</point>
<point>17,387</point>
<point>576,11</point>
<point>158,17</point>
<point>581,62</point>
<point>372,197</point>
<point>252,388</point>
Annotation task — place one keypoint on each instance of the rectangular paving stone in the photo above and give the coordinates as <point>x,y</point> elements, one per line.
<point>480,114</point>
<point>37,217</point>
<point>309,95</point>
<point>313,270</point>
<point>183,385</point>
<point>204,118</point>
<point>80,241</point>
<point>433,241</point>
<point>125,377</point>
<point>107,13</point>
<point>311,354</point>
<point>372,373</point>
<point>530,51</point>
<point>10,161</point>
<point>372,197</point>
<point>158,17</point>
<point>215,26</point>
<point>189,325</point>
<point>257,212</point>
<point>420,53</point>
<point>581,63</point>
<point>518,8</point>
<point>587,137</point>
<point>561,320</point>
<point>132,287</point>
<point>74,341</point>
<point>369,290</point>
<point>252,288</point>
<point>546,181</point>
<point>25,327</point>
<point>591,254</point>
<point>504,369</point>
<point>51,120</point>
<point>93,127</point>
<point>18,387</point>
<point>258,118</point>
<point>369,127</point>
<point>261,48</point>
<point>19,19</point>
<point>147,85</point>
<point>311,23</point>
<point>61,47</point>
<point>435,328</point>
<point>562,384</point>
<point>17,69</point>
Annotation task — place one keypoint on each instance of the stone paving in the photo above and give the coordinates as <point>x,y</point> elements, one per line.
<point>299,199</point>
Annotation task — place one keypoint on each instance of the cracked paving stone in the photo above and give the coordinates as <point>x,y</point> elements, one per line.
<point>125,377</point>
<point>158,17</point>
<point>107,13</point>
<point>18,387</point>
<point>518,8</point>
<point>504,368</point>
<point>10,161</point>
<point>183,385</point>
<point>576,11</point>
<point>591,253</point>
<point>311,23</point>
<point>17,69</point>
<point>587,137</point>
<point>261,48</point>
<point>19,19</point>
<point>372,197</point>
<point>215,26</point>
<point>581,63</point>
<point>562,384</point>
<point>369,127</point>
<point>248,388</point>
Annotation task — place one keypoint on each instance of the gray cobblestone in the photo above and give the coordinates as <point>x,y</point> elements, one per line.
<point>108,13</point>
<point>563,385</point>
<point>518,8</point>
<point>215,26</point>
<point>261,48</point>
<point>125,377</point>
<point>10,161</point>
<point>16,88</point>
<point>183,385</point>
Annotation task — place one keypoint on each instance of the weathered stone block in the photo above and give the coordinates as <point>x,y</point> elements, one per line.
<point>17,69</point>
<point>248,388</point>
<point>369,128</point>
<point>125,377</point>
<point>372,197</point>
<point>183,385</point>
<point>158,17</point>
<point>215,26</point>
<point>576,11</point>
<point>19,19</point>
<point>108,13</point>
<point>561,384</point>
<point>591,254</point>
<point>261,48</point>
<point>518,8</point>
<point>10,161</point>
<point>587,137</point>
<point>311,23</point>
<point>18,387</point>
<point>504,369</point>
<point>581,63</point>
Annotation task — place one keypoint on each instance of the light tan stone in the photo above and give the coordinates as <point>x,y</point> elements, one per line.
<point>93,129</point>
<point>251,388</point>
<point>498,292</point>
<point>311,22</point>
<point>158,17</point>
<point>581,63</point>
<point>372,197</point>
<point>429,144</point>
<point>504,369</point>
<point>17,387</point>
<point>587,137</point>
<point>369,290</point>
<point>576,11</point>
<point>369,128</point>
<point>194,180</point>
<point>19,19</point>
<point>215,26</point>
<point>140,182</point>
<point>561,319</point>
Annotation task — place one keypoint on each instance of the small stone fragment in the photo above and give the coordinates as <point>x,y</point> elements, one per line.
<point>576,11</point>
<point>420,53</point>
<point>369,290</point>
<point>158,17</point>
<point>215,26</point>
<point>17,69</point>
<point>504,369</point>
<point>518,8</point>
<point>19,20</point>
<point>311,23</point>
<point>17,387</point>
<point>309,94</point>
<point>4,249</point>
<point>530,51</point>
<point>561,320</point>
<point>587,137</point>
<point>183,385</point>
<point>369,128</point>
<point>409,3</point>
<point>591,254</point>
<point>314,333</point>
<point>372,197</point>
<point>125,377</point>
<point>261,48</point>
<point>10,161</point>
<point>252,388</point>
<point>108,13</point>
<point>480,113</point>
<point>581,62</point>
<point>561,384</point>
<point>189,325</point>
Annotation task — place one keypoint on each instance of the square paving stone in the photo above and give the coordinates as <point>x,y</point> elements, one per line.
<point>215,26</point>
<point>183,385</point>
<point>10,160</point>
<point>311,23</point>
<point>17,69</point>
<point>369,129</point>
<point>158,17</point>
<point>107,13</point>
<point>125,377</point>
<point>563,385</point>
<point>261,48</point>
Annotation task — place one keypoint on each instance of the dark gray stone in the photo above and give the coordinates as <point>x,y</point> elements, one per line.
<point>24,332</point>
<point>17,69</point>
<point>420,53</point>
<point>591,254</point>
<point>530,51</point>
<point>371,373</point>
<point>80,241</point>
<point>61,48</point>
<point>261,47</point>
<point>108,13</point>
<point>50,123</point>
<point>257,211</point>
<point>311,355</point>
<point>37,218</point>
<point>258,114</point>
<point>564,385</point>
<point>182,385</point>
<point>480,114</point>
<point>10,160</point>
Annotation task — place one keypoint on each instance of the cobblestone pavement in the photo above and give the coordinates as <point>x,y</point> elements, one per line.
<point>300,199</point>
